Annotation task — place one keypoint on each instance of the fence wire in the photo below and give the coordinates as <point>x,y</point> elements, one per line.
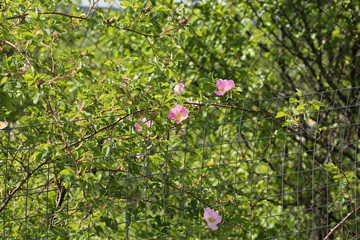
<point>292,181</point>
<point>281,166</point>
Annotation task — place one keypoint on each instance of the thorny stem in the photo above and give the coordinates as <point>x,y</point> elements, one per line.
<point>341,223</point>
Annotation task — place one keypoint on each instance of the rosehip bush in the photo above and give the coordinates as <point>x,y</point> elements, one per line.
<point>118,124</point>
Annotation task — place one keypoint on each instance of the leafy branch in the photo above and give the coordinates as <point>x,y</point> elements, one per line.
<point>49,13</point>
<point>101,129</point>
<point>59,13</point>
<point>19,50</point>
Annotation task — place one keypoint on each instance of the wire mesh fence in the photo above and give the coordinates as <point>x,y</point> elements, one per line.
<point>280,180</point>
<point>279,166</point>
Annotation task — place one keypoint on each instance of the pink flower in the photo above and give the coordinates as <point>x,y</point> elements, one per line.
<point>178,113</point>
<point>212,218</point>
<point>223,86</point>
<point>179,88</point>
<point>138,126</point>
<point>3,125</point>
<point>24,68</point>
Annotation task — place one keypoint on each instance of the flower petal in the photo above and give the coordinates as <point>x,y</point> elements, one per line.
<point>138,127</point>
<point>3,125</point>
<point>213,227</point>
<point>217,219</point>
<point>219,93</point>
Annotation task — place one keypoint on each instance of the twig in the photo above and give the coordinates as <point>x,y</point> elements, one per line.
<point>181,23</point>
<point>61,127</point>
<point>106,170</point>
<point>48,13</point>
<point>188,192</point>
<point>233,107</point>
<point>101,129</point>
<point>153,48</point>
<point>83,18</point>
<point>7,200</point>
<point>341,223</point>
<point>58,78</point>
<point>142,34</point>
<point>19,50</point>
<point>91,7</point>
<point>180,189</point>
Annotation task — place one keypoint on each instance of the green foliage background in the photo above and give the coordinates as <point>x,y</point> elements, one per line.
<point>79,80</point>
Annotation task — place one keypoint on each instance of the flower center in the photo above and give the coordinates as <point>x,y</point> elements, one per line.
<point>222,89</point>
<point>210,219</point>
<point>179,116</point>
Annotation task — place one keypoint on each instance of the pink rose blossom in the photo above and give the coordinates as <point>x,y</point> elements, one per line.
<point>3,125</point>
<point>212,218</point>
<point>179,88</point>
<point>138,126</point>
<point>178,113</point>
<point>224,86</point>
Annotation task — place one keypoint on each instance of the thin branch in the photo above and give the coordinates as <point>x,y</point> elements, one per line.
<point>48,13</point>
<point>83,18</point>
<point>7,200</point>
<point>61,127</point>
<point>233,107</point>
<point>91,7</point>
<point>58,77</point>
<point>101,129</point>
<point>19,50</point>
<point>188,192</point>
<point>58,13</point>
<point>178,188</point>
<point>106,170</point>
<point>140,33</point>
<point>152,47</point>
<point>40,186</point>
<point>341,223</point>
<point>180,24</point>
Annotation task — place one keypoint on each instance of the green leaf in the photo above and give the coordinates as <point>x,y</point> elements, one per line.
<point>281,114</point>
<point>299,93</point>
<point>301,107</point>
<point>66,172</point>
<point>286,123</point>
<point>3,80</point>
<point>150,70</point>
<point>294,100</point>
<point>35,99</point>
<point>125,3</point>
